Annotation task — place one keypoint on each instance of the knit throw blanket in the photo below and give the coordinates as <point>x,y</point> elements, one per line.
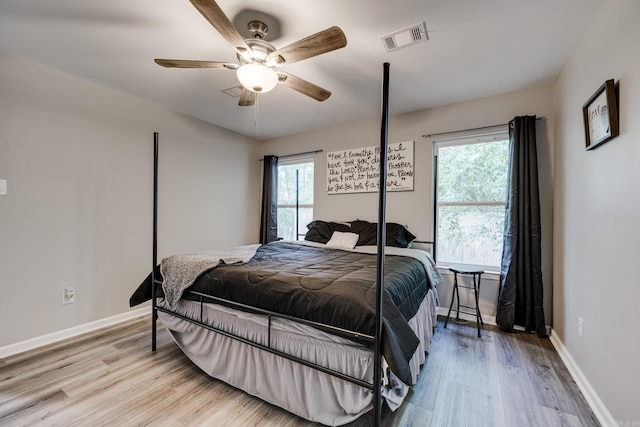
<point>180,271</point>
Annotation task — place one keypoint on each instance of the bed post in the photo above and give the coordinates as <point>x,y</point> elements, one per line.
<point>154,310</point>
<point>382,238</point>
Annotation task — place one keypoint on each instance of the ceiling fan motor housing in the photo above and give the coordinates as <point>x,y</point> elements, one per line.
<point>260,49</point>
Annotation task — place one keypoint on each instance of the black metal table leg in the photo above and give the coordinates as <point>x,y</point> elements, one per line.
<point>476,275</point>
<point>453,297</point>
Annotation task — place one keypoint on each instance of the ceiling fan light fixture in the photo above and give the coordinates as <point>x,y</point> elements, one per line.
<point>257,77</point>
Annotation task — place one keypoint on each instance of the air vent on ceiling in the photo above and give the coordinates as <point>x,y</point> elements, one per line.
<point>405,37</point>
<point>233,92</point>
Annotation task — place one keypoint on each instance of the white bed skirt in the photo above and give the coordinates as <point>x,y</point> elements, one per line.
<point>299,389</point>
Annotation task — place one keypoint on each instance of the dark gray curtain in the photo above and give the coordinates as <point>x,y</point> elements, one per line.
<point>520,300</point>
<point>269,212</point>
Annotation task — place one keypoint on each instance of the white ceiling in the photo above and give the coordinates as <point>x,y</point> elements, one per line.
<point>477,48</point>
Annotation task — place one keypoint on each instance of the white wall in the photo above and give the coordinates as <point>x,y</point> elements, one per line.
<point>414,208</point>
<point>78,161</point>
<point>597,213</point>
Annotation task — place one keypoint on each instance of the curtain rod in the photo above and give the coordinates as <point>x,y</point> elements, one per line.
<point>298,154</point>
<point>470,129</point>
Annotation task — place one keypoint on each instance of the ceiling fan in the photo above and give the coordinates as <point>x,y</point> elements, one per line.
<point>258,59</point>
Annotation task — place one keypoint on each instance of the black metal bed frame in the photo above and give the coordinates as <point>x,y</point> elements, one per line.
<point>375,341</point>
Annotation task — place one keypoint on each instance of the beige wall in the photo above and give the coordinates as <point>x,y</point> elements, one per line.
<point>77,158</point>
<point>78,162</point>
<point>597,213</point>
<point>414,208</point>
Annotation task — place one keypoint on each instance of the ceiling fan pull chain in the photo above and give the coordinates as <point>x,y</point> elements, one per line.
<point>255,116</point>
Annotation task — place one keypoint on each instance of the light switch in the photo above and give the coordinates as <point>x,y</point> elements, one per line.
<point>3,187</point>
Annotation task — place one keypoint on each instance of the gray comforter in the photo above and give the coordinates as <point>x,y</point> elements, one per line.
<point>329,286</point>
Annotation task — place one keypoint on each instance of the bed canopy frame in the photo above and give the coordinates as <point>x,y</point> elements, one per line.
<point>376,340</point>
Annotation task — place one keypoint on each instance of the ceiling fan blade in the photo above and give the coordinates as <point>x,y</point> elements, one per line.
<point>216,17</point>
<point>325,41</point>
<point>303,86</point>
<point>247,98</point>
<point>180,63</point>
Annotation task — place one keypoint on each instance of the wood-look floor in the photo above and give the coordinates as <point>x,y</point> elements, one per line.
<point>111,378</point>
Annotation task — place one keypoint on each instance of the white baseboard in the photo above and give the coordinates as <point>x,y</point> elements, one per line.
<point>601,412</point>
<point>489,320</point>
<point>11,349</point>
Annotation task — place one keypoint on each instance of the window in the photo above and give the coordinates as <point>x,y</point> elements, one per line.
<point>295,197</point>
<point>470,197</point>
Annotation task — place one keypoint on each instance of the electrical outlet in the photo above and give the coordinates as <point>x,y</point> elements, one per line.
<point>580,327</point>
<point>68,295</point>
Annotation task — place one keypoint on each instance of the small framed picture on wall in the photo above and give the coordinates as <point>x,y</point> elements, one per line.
<point>600,115</point>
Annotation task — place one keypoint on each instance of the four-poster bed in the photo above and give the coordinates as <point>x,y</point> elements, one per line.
<point>304,326</point>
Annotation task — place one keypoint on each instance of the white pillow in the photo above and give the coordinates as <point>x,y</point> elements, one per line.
<point>340,240</point>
